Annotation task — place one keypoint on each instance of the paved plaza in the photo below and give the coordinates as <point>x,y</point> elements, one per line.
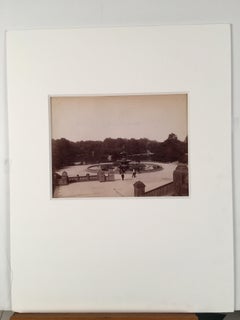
<point>117,188</point>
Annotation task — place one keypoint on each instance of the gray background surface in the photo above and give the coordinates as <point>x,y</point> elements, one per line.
<point>32,14</point>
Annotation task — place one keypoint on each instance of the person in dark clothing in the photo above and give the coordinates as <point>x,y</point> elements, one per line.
<point>121,171</point>
<point>134,173</point>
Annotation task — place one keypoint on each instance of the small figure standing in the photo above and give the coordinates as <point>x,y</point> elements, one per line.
<point>121,171</point>
<point>134,173</point>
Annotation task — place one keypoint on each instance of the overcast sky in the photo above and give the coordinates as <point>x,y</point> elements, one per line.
<point>137,116</point>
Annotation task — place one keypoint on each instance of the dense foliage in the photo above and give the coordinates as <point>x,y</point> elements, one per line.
<point>65,152</point>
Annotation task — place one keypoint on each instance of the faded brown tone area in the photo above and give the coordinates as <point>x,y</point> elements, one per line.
<point>132,116</point>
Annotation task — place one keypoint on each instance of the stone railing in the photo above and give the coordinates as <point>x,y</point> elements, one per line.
<point>64,179</point>
<point>165,190</point>
<point>178,187</point>
<point>87,177</point>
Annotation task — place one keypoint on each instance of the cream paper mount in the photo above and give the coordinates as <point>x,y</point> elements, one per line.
<point>164,254</point>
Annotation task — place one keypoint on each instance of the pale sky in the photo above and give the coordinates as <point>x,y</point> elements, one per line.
<point>133,116</point>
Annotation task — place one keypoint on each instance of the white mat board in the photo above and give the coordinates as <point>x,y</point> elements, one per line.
<point>121,255</point>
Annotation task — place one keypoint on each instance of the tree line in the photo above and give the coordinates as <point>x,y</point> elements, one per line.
<point>66,153</point>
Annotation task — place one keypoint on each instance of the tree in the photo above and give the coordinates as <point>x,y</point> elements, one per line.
<point>172,136</point>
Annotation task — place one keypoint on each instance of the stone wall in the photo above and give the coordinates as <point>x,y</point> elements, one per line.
<point>178,187</point>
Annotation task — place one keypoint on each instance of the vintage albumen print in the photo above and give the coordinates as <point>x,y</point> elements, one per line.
<point>119,146</point>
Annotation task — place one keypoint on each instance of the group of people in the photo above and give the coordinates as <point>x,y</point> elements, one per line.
<point>122,173</point>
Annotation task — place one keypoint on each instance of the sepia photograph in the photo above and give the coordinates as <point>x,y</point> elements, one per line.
<point>119,146</point>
